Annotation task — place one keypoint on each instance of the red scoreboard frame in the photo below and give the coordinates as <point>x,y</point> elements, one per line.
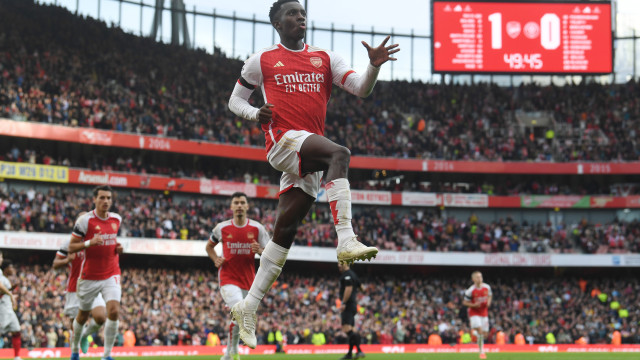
<point>521,37</point>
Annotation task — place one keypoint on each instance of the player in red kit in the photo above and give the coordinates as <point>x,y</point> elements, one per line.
<point>478,299</point>
<point>96,233</point>
<point>98,311</point>
<point>296,81</point>
<point>241,239</point>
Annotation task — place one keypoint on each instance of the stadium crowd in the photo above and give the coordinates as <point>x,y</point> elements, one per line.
<point>59,68</point>
<point>156,215</point>
<point>171,306</point>
<point>198,167</point>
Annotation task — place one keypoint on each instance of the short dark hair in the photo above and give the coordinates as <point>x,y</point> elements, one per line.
<point>101,188</point>
<point>239,194</point>
<point>276,7</point>
<point>6,263</point>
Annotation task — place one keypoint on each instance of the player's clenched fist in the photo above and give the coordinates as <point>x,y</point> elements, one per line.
<point>97,240</point>
<point>265,113</point>
<point>218,262</point>
<point>256,248</point>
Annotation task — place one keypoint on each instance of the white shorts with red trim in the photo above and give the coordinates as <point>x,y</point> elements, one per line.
<point>481,322</point>
<point>72,304</point>
<point>88,291</point>
<point>285,156</point>
<point>232,294</point>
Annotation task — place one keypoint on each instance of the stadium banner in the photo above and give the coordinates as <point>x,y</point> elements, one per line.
<point>174,247</point>
<point>465,200</point>
<point>558,201</point>
<point>156,143</point>
<point>419,199</point>
<point>363,197</point>
<point>193,350</point>
<point>34,172</point>
<point>218,187</point>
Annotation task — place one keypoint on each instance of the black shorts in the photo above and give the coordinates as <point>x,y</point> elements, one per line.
<point>348,317</point>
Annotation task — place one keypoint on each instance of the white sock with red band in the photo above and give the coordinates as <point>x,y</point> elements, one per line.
<point>339,197</point>
<point>77,333</point>
<point>271,262</point>
<point>234,338</point>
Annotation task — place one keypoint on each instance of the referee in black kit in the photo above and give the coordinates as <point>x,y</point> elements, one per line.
<point>349,286</point>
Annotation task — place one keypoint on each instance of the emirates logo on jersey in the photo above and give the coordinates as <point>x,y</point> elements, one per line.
<point>316,61</point>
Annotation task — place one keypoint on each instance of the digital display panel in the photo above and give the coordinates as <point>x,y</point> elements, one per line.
<point>522,37</point>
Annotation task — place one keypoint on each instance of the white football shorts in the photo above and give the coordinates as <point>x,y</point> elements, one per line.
<point>72,304</point>
<point>8,321</point>
<point>232,294</point>
<point>88,291</point>
<point>285,156</point>
<point>481,322</point>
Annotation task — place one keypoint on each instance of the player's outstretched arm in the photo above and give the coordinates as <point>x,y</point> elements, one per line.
<point>382,53</point>
<point>362,84</point>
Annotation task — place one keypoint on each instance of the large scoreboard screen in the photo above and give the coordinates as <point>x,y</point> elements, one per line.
<point>522,37</point>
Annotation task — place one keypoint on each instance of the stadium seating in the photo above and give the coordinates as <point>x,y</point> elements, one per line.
<point>155,215</point>
<point>174,306</point>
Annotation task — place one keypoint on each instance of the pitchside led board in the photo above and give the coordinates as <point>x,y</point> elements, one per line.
<point>521,37</point>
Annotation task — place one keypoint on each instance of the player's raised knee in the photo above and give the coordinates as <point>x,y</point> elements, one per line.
<point>341,155</point>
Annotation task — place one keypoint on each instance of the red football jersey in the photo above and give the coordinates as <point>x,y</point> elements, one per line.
<point>101,261</point>
<point>239,261</point>
<point>74,266</point>
<point>298,83</point>
<point>478,295</point>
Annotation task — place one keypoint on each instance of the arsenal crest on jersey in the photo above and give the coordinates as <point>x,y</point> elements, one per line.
<point>316,61</point>
<point>114,227</point>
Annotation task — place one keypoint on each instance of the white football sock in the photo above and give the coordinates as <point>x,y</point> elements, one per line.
<point>481,343</point>
<point>77,333</point>
<point>271,262</point>
<point>232,348</point>
<point>339,197</point>
<point>110,332</point>
<point>90,327</point>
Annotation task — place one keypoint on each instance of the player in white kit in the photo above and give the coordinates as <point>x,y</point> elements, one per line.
<point>8,320</point>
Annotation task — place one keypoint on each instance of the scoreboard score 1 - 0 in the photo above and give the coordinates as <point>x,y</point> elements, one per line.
<point>521,37</point>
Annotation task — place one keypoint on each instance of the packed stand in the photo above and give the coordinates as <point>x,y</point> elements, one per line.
<point>184,307</point>
<point>210,168</point>
<point>154,215</point>
<point>63,69</point>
